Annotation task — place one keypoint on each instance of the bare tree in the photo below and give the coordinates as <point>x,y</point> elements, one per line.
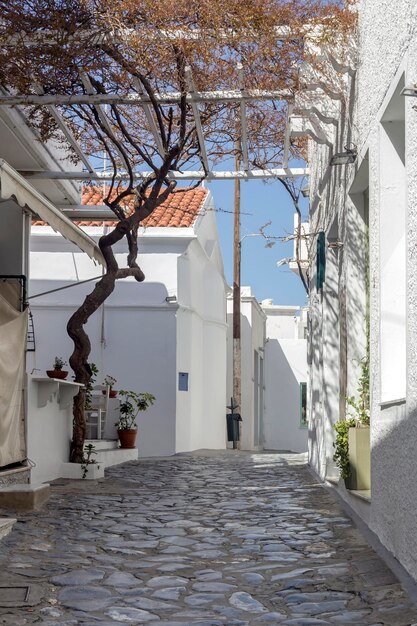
<point>147,57</point>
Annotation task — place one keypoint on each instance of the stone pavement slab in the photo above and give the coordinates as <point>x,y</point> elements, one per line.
<point>203,539</point>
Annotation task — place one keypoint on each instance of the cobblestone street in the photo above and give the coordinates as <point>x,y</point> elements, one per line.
<point>229,539</point>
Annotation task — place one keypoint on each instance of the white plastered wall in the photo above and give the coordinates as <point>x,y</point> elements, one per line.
<point>387,53</point>
<point>140,338</point>
<point>132,341</point>
<point>285,369</point>
<point>48,429</point>
<point>201,341</point>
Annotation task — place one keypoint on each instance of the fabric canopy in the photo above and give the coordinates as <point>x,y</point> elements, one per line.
<point>13,333</point>
<point>14,185</point>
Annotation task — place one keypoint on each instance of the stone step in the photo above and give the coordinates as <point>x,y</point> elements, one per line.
<point>15,475</point>
<point>115,456</point>
<point>103,444</point>
<point>103,458</point>
<point>24,497</point>
<point>75,471</point>
<point>6,525</point>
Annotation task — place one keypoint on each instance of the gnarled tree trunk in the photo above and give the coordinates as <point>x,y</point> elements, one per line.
<point>75,329</point>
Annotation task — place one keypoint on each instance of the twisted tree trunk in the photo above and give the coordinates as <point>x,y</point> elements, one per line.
<point>75,328</point>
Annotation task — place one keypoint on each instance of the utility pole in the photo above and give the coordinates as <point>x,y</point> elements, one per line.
<point>237,397</point>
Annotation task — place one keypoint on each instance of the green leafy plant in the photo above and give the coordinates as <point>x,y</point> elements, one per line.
<point>341,445</point>
<point>89,452</point>
<point>358,415</point>
<point>130,406</point>
<point>59,364</point>
<point>89,387</point>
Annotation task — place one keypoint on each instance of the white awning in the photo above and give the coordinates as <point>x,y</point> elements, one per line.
<point>13,185</point>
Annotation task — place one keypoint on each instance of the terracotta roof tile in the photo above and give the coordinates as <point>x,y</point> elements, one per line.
<point>180,210</point>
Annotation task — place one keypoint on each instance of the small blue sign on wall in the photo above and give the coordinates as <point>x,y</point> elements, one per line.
<point>183,381</point>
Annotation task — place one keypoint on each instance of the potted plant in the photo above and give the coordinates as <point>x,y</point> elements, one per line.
<point>130,406</point>
<point>110,381</point>
<point>353,451</point>
<point>57,370</point>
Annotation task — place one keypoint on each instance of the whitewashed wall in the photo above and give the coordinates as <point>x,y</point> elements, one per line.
<point>384,128</point>
<point>285,369</point>
<point>134,344</point>
<point>48,431</point>
<point>394,430</point>
<point>138,337</point>
<point>201,340</point>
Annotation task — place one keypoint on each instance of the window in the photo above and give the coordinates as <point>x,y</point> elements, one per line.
<point>183,381</point>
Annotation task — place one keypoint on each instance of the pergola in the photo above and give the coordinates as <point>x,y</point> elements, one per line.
<point>89,172</point>
<point>301,119</point>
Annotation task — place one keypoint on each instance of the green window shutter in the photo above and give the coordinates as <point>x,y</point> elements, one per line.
<point>303,405</point>
<point>321,260</point>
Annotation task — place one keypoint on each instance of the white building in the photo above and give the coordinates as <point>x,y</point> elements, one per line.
<point>285,417</point>
<point>273,374</point>
<point>20,202</point>
<point>367,212</point>
<point>166,336</point>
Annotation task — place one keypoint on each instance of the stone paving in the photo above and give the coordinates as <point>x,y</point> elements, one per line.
<point>225,539</point>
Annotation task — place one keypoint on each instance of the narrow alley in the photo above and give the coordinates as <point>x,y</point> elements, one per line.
<point>209,539</point>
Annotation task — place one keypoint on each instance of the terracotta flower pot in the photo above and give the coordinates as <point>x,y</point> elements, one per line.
<point>112,393</point>
<point>127,438</point>
<point>57,374</point>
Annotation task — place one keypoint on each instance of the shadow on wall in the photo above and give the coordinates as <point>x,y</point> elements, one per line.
<point>52,311</point>
<point>393,509</point>
<point>140,294</point>
<point>282,403</point>
<point>339,332</point>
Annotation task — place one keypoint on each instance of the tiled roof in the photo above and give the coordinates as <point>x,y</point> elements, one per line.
<point>180,210</point>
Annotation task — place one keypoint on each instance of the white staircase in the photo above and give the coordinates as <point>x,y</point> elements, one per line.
<point>108,452</point>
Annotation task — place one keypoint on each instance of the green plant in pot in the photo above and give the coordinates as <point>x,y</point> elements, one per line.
<point>341,445</point>
<point>352,445</point>
<point>57,370</point>
<point>130,406</point>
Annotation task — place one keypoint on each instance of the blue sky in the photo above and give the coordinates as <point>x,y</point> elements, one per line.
<point>260,202</point>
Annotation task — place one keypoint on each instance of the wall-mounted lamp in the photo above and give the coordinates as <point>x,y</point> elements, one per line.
<point>283,262</point>
<point>269,244</point>
<point>409,90</point>
<point>305,191</point>
<point>344,158</point>
<point>171,299</point>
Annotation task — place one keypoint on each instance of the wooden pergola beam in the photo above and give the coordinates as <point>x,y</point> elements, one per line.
<point>289,172</point>
<point>163,98</point>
